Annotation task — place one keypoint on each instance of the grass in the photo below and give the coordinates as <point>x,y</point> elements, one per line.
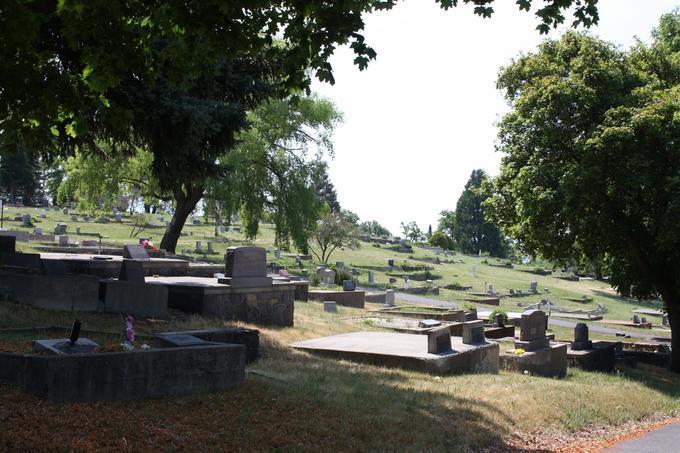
<point>296,401</point>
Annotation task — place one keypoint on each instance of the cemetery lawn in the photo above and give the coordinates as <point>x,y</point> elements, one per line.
<point>295,401</point>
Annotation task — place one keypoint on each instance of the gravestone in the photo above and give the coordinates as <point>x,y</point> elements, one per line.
<point>115,211</point>
<point>473,332</point>
<point>43,214</point>
<point>77,230</point>
<point>393,280</point>
<point>65,211</point>
<point>371,277</point>
<point>37,231</point>
<point>89,243</point>
<point>198,247</point>
<point>195,221</point>
<point>532,327</point>
<point>210,247</point>
<point>319,271</point>
<point>86,218</point>
<point>498,319</point>
<point>26,220</point>
<point>474,270</point>
<point>135,252</point>
<point>636,319</point>
<point>8,244</point>
<point>439,340</point>
<point>118,217</point>
<point>390,263</point>
<point>429,323</point>
<point>581,341</point>
<point>60,228</point>
<point>131,271</point>
<point>277,254</point>
<point>63,239</point>
<point>328,277</point>
<point>402,242</point>
<point>74,218</point>
<point>62,346</point>
<point>246,267</point>
<point>284,273</point>
<point>389,298</point>
<point>221,229</point>
<point>533,287</point>
<point>348,285</point>
<point>340,264</point>
<point>103,219</point>
<point>178,340</point>
<point>489,289</point>
<point>330,306</point>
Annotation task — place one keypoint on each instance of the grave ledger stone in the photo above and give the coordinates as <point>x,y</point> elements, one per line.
<point>246,267</point>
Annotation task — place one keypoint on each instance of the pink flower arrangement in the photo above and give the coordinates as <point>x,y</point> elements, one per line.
<point>129,329</point>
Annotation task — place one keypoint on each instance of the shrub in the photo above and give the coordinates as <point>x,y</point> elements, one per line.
<point>504,316</point>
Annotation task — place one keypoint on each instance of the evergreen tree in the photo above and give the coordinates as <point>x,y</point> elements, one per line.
<point>19,177</point>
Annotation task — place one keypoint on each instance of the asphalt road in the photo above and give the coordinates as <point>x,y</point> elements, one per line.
<point>663,440</point>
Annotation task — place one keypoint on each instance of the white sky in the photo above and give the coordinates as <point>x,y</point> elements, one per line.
<point>421,117</point>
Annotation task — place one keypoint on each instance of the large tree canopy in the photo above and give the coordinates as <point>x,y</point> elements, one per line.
<point>592,159</point>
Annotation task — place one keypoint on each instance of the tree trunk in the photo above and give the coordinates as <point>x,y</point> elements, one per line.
<point>673,307</point>
<point>185,203</point>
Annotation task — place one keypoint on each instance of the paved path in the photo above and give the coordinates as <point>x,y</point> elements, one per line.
<point>592,327</point>
<point>663,440</point>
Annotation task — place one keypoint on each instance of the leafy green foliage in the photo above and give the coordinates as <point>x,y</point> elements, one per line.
<point>373,228</point>
<point>439,239</point>
<point>592,164</point>
<point>471,230</point>
<point>19,178</point>
<point>412,231</point>
<point>332,232</point>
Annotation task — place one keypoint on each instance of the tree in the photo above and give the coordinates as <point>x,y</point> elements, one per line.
<point>592,162</point>
<point>333,231</point>
<point>373,228</point>
<point>439,239</point>
<point>275,169</point>
<point>471,230</point>
<point>351,217</point>
<point>412,231</point>
<point>326,192</point>
<point>19,177</point>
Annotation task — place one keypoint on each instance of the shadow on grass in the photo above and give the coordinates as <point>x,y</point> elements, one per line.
<point>656,378</point>
<point>384,409</point>
<point>627,300</point>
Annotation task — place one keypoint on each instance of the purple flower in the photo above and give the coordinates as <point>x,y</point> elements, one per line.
<point>129,329</point>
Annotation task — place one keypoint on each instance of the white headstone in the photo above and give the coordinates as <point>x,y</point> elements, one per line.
<point>489,289</point>
<point>474,270</point>
<point>277,254</point>
<point>389,298</point>
<point>329,277</point>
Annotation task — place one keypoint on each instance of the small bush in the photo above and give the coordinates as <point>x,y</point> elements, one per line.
<point>504,316</point>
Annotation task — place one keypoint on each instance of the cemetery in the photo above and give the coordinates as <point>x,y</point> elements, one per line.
<point>207,244</point>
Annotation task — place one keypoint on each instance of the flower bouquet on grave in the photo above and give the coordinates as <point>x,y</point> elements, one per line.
<point>147,244</point>
<point>518,351</point>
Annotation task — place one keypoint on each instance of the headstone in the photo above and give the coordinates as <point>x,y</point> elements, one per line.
<point>63,346</point>
<point>118,217</point>
<point>178,340</point>
<point>389,298</point>
<point>8,244</point>
<point>329,277</point>
<point>439,340</point>
<point>474,270</point>
<point>37,231</point>
<point>498,320</point>
<point>390,263</point>
<point>26,220</point>
<point>446,253</point>
<point>348,285</point>
<point>221,229</point>
<point>60,228</point>
<point>77,230</point>
<point>62,239</point>
<point>210,247</point>
<point>581,341</point>
<point>103,219</point>
<point>473,332</point>
<point>131,271</point>
<point>532,327</point>
<point>65,211</point>
<point>43,214</point>
<point>429,323</point>
<point>489,289</point>
<point>74,218</point>
<point>198,247</point>
<point>393,280</point>
<point>371,277</point>
<point>115,211</point>
<point>86,218</point>
<point>533,287</point>
<point>89,243</point>
<point>284,273</point>
<point>330,306</point>
<point>195,221</point>
<point>664,319</point>
<point>340,264</point>
<point>246,267</point>
<point>135,252</point>
<point>277,254</point>
<point>402,242</point>
<point>636,319</point>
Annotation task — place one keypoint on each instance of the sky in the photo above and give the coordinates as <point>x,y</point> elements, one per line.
<point>422,116</point>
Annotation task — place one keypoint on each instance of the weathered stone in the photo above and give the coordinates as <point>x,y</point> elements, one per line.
<point>439,340</point>
<point>246,267</point>
<point>371,277</point>
<point>429,323</point>
<point>473,332</point>
<point>135,252</point>
<point>60,228</point>
<point>348,285</point>
<point>581,341</point>
<point>533,325</point>
<point>131,271</point>
<point>330,306</point>
<point>389,298</point>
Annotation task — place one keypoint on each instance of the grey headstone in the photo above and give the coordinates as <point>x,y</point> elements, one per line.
<point>65,211</point>
<point>62,239</point>
<point>210,247</point>
<point>581,341</point>
<point>26,220</point>
<point>371,277</point>
<point>329,277</point>
<point>473,332</point>
<point>389,298</point>
<point>532,325</point>
<point>277,254</point>
<point>330,306</point>
<point>439,340</point>
<point>246,267</point>
<point>533,287</point>
<point>132,271</point>
<point>37,231</point>
<point>74,218</point>
<point>348,285</point>
<point>118,217</point>
<point>135,252</point>
<point>60,228</point>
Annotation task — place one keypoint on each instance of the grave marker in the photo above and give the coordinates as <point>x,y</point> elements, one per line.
<point>389,298</point>
<point>532,327</point>
<point>371,277</point>
<point>132,271</point>
<point>330,306</point>
<point>348,285</point>
<point>246,267</point>
<point>135,252</point>
<point>473,332</point>
<point>581,341</point>
<point>439,340</point>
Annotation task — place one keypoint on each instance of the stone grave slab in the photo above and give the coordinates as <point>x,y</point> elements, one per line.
<point>429,323</point>
<point>404,350</point>
<point>178,340</point>
<point>64,346</point>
